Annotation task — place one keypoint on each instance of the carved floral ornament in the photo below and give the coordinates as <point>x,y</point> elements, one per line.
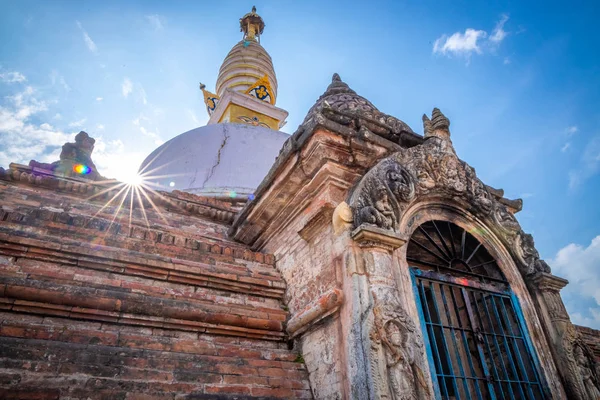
<point>433,169</point>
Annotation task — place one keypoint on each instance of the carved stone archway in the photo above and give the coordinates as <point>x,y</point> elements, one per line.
<point>413,183</point>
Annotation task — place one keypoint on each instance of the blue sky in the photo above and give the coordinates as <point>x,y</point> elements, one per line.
<point>519,82</point>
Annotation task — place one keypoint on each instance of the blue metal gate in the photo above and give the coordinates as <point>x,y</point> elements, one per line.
<point>477,343</point>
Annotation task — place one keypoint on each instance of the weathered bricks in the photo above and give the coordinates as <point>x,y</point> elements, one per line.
<point>96,308</point>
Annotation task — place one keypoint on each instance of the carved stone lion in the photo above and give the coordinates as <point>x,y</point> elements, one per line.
<point>381,195</point>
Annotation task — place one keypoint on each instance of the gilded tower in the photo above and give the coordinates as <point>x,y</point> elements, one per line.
<point>246,88</point>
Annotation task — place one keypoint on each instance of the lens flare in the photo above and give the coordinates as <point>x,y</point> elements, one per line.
<point>81,169</point>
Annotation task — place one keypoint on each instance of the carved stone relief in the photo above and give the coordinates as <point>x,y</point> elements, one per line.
<point>583,380</point>
<point>433,168</point>
<point>395,335</point>
<point>342,105</point>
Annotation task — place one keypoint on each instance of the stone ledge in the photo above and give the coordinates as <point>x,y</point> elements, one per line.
<point>321,308</point>
<point>241,280</point>
<point>372,236</point>
<point>103,190</point>
<point>99,225</point>
<point>108,305</point>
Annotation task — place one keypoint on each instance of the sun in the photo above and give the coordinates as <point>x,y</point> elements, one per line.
<point>133,179</point>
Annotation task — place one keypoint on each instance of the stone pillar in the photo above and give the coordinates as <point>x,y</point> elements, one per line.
<point>572,356</point>
<point>392,344</point>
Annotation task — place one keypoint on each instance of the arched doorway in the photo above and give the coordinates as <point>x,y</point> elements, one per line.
<point>477,342</point>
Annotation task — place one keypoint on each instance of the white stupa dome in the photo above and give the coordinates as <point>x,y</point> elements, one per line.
<point>215,160</point>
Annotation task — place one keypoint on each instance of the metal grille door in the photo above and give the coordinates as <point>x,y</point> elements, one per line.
<point>478,346</point>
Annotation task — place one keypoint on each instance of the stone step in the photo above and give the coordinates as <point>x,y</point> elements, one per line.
<point>176,285</point>
<point>219,273</point>
<point>86,302</point>
<point>168,239</point>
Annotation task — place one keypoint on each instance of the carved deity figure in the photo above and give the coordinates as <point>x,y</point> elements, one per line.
<point>587,374</point>
<point>396,336</point>
<point>399,358</point>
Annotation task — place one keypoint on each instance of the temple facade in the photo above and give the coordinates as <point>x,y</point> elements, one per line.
<point>353,259</point>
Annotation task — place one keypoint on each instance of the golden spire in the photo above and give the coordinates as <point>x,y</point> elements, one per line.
<point>252,25</point>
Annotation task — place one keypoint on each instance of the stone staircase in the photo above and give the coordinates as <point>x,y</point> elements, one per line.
<point>161,306</point>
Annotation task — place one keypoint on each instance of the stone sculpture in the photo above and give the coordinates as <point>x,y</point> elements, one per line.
<point>396,335</point>
<point>73,154</point>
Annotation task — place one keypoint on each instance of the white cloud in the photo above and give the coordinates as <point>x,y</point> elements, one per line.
<point>581,266</point>
<point>57,78</point>
<point>139,93</point>
<point>192,115</point>
<point>100,127</point>
<point>12,77</point>
<point>99,98</point>
<point>142,94</point>
<point>154,135</point>
<point>472,41</point>
<point>77,124</point>
<point>143,120</point>
<point>565,147</point>
<point>571,130</point>
<point>126,87</point>
<point>88,40</point>
<point>57,116</point>
<point>589,164</point>
<point>459,43</point>
<point>498,34</point>
<point>22,140</point>
<point>156,21</point>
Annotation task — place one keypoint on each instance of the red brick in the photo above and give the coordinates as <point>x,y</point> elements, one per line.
<point>283,393</point>
<point>210,389</point>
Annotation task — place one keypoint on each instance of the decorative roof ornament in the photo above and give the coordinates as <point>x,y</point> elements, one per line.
<point>210,99</point>
<point>262,90</point>
<point>252,25</point>
<point>342,105</point>
<point>438,125</point>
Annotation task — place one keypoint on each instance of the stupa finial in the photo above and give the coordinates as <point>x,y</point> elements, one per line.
<point>252,25</point>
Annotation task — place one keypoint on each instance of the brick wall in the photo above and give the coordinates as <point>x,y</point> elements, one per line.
<point>95,305</point>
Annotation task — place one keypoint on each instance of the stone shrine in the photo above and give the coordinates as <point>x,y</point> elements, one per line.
<point>354,259</point>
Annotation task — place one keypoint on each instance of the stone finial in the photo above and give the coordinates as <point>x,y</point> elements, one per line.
<point>202,86</point>
<point>336,77</point>
<point>426,126</point>
<point>439,121</point>
<point>438,126</point>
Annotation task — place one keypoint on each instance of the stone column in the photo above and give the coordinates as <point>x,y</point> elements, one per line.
<point>572,356</point>
<point>392,344</point>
